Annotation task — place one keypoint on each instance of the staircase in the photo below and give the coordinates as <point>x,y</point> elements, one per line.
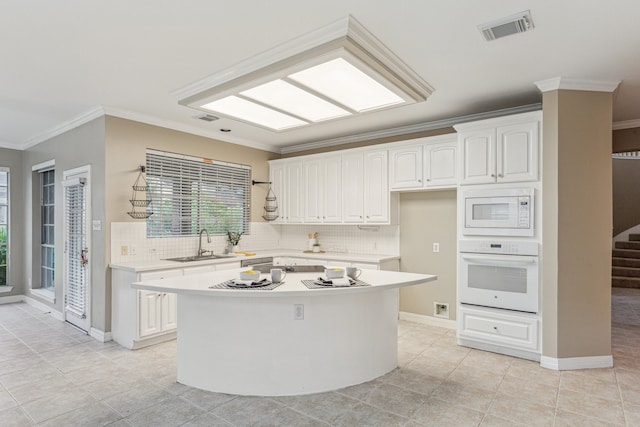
<point>625,270</point>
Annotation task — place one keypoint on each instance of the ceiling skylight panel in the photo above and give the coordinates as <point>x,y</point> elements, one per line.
<point>251,112</point>
<point>292,99</point>
<point>341,81</point>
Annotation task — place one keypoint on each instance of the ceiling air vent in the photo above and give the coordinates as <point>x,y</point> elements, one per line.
<point>518,23</point>
<point>208,117</point>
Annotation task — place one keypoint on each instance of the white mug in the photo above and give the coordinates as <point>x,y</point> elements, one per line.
<point>353,272</point>
<point>278,275</point>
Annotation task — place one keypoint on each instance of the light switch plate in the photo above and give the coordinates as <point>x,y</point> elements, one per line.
<point>96,224</point>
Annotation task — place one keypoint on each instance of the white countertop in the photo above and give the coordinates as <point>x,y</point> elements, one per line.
<point>199,284</point>
<point>161,264</point>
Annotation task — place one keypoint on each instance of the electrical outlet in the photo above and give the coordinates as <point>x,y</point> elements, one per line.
<point>436,247</point>
<point>124,250</point>
<point>298,311</point>
<point>132,250</point>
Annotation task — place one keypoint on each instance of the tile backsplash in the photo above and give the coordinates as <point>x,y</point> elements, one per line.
<point>129,240</point>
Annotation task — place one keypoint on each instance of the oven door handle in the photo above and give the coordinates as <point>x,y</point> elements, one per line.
<point>501,259</point>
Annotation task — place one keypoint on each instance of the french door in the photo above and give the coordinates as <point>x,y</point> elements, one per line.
<point>77,268</point>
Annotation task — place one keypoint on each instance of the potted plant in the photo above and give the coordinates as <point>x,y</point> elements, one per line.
<point>233,237</point>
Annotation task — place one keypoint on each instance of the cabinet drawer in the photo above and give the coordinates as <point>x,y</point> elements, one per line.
<point>164,274</point>
<point>506,329</point>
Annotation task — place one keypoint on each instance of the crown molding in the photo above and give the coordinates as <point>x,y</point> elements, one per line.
<point>180,127</point>
<point>627,124</point>
<point>10,145</point>
<point>83,118</point>
<point>409,129</point>
<point>564,83</point>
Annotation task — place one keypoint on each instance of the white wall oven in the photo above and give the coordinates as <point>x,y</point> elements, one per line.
<point>500,274</point>
<point>498,212</point>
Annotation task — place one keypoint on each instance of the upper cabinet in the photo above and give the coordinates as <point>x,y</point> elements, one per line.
<point>500,150</point>
<point>333,188</point>
<point>424,163</point>
<point>287,185</point>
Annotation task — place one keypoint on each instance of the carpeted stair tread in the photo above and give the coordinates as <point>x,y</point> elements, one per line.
<point>625,271</point>
<point>625,282</point>
<point>626,253</point>
<point>625,262</point>
<point>628,245</point>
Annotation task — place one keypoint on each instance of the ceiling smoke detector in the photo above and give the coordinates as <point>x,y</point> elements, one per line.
<point>518,23</point>
<point>207,117</point>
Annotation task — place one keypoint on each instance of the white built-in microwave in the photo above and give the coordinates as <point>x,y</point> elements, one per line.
<point>498,212</point>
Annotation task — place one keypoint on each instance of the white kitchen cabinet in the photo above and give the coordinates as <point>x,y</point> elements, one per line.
<point>376,187</point>
<point>405,167</point>
<point>429,162</point>
<point>313,182</point>
<point>501,328</point>
<point>441,164</point>
<point>287,183</point>
<point>500,150</point>
<point>141,318</point>
<point>277,178</point>
<point>332,189</point>
<point>352,188</point>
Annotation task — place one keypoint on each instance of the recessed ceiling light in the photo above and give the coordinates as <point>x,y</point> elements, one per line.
<point>338,71</point>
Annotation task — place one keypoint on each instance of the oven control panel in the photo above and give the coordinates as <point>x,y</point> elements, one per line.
<point>500,247</point>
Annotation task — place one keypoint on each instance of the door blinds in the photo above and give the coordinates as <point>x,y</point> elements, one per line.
<point>190,193</point>
<point>75,246</point>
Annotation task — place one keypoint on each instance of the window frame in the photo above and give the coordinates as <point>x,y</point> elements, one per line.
<point>48,245</point>
<point>190,193</point>
<point>7,244</point>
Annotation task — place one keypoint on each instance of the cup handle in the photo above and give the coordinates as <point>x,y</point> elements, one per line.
<point>358,273</point>
<point>284,274</point>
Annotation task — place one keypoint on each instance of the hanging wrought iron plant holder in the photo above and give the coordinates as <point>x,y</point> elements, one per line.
<point>271,203</point>
<point>142,203</point>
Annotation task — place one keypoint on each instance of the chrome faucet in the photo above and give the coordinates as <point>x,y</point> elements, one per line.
<point>202,252</point>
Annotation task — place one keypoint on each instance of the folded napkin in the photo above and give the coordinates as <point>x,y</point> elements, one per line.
<point>341,282</point>
<point>248,282</point>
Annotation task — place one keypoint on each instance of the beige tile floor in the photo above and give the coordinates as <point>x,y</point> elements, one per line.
<point>52,375</point>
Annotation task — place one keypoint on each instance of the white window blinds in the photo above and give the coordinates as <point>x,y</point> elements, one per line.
<point>190,193</point>
<point>76,244</point>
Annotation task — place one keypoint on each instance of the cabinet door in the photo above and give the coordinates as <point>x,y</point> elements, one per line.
<point>312,194</point>
<point>517,152</point>
<point>332,189</point>
<point>150,313</point>
<point>293,190</point>
<point>441,167</point>
<point>405,167</point>
<point>478,156</point>
<point>277,178</point>
<point>352,186</point>
<point>376,187</point>
<point>169,312</point>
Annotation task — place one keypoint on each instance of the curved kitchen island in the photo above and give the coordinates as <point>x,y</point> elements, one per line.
<point>253,342</point>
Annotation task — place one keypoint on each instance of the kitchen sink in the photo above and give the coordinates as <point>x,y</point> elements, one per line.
<point>199,258</point>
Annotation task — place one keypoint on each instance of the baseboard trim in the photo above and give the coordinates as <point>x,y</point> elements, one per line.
<point>100,335</point>
<point>571,363</point>
<point>427,320</point>
<point>11,299</point>
<point>44,307</point>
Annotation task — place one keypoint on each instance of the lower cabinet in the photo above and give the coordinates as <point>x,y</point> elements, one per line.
<point>141,318</point>
<point>499,330</point>
<point>157,313</point>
